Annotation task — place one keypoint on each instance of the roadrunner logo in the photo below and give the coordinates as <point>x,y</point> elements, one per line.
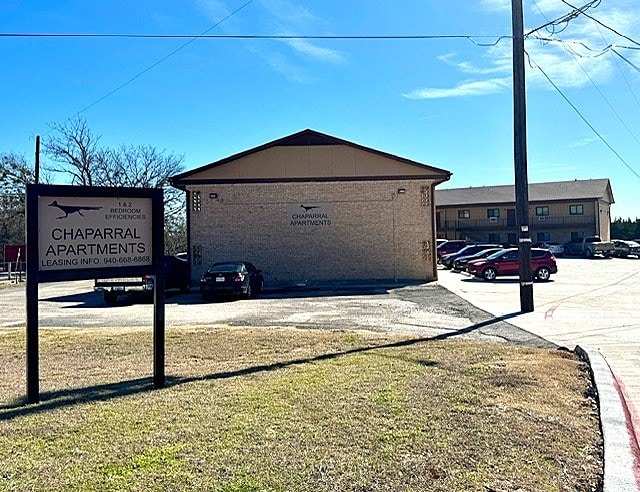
<point>71,209</point>
<point>310,215</point>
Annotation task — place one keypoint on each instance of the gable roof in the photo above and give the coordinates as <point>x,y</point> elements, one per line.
<point>305,138</point>
<point>588,189</point>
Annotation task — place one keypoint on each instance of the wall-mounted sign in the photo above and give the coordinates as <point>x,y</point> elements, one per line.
<point>310,214</point>
<point>94,232</point>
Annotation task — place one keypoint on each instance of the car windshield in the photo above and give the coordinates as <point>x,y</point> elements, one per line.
<point>497,254</point>
<point>226,267</point>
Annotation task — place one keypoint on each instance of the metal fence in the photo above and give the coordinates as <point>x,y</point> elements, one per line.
<point>14,271</point>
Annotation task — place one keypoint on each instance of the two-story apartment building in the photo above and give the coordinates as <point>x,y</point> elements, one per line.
<point>558,211</point>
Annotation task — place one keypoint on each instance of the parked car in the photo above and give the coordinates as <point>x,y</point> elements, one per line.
<point>450,246</point>
<point>589,246</point>
<point>506,262</point>
<point>460,264</point>
<point>239,278</point>
<point>176,276</point>
<point>556,248</point>
<point>448,259</point>
<point>625,248</point>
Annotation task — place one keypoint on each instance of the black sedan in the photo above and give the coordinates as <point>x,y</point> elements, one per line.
<point>239,278</point>
<point>472,249</point>
<point>460,264</point>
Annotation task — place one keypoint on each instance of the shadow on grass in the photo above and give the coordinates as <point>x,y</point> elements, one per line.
<point>51,400</point>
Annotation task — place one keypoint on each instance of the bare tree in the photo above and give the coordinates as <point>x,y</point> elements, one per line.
<point>74,149</point>
<point>141,166</point>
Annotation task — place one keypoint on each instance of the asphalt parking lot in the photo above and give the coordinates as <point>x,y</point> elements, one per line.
<point>422,309</point>
<point>590,302</point>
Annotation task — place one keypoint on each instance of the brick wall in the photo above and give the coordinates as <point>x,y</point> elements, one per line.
<point>357,230</point>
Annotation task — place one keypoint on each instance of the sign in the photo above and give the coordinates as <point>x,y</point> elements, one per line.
<point>14,252</point>
<point>310,215</point>
<point>94,232</point>
<point>80,232</point>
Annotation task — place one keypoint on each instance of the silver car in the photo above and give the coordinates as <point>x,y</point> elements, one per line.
<point>556,249</point>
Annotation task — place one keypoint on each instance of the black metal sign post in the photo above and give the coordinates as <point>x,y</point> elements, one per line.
<point>78,233</point>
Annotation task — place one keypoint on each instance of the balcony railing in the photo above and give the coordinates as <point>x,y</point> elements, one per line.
<point>535,223</point>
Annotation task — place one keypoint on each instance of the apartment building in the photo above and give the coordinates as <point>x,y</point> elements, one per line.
<point>558,211</point>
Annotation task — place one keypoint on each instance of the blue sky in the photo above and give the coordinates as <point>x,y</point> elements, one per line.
<point>443,102</point>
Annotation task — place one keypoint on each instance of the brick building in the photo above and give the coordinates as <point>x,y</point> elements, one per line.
<point>311,208</point>
<point>558,211</point>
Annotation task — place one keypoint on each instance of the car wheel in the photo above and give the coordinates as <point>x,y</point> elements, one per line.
<point>588,253</point>
<point>543,273</point>
<point>489,273</point>
<point>110,297</point>
<point>260,288</point>
<point>247,295</point>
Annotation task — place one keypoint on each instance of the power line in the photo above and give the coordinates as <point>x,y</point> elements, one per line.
<point>608,103</point>
<point>583,118</point>
<point>150,67</point>
<point>565,19</point>
<point>620,69</point>
<point>602,24</point>
<point>471,37</point>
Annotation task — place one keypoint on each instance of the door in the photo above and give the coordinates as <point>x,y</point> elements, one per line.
<point>511,217</point>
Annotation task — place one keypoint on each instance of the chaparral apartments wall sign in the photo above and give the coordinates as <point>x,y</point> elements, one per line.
<point>76,233</point>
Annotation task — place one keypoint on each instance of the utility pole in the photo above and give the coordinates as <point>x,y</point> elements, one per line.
<point>520,158</point>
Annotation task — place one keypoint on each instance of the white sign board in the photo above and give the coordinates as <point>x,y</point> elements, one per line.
<point>94,232</point>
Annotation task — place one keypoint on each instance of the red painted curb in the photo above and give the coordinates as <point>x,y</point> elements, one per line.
<point>633,425</point>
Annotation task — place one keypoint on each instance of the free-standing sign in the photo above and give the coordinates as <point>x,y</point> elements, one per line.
<point>79,232</point>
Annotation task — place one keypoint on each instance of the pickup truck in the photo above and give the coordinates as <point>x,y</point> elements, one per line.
<point>176,274</point>
<point>589,246</point>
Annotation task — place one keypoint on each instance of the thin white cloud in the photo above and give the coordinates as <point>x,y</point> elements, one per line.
<point>282,64</point>
<point>306,48</point>
<point>465,89</point>
<point>215,9</point>
<point>583,142</point>
<point>570,64</point>
<point>499,65</point>
<point>290,13</point>
<point>286,17</point>
<point>496,5</point>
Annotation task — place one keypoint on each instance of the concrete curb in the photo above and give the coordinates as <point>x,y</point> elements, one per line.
<point>621,454</point>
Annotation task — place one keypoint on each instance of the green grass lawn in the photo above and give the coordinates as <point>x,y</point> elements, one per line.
<point>268,409</point>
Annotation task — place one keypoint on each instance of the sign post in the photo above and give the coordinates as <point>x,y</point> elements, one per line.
<point>76,233</point>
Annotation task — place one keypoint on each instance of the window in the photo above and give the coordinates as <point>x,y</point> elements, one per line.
<point>494,237</point>
<point>543,236</point>
<point>512,238</point>
<point>577,235</point>
<point>542,211</point>
<point>493,213</point>
<point>576,209</point>
<point>464,214</point>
